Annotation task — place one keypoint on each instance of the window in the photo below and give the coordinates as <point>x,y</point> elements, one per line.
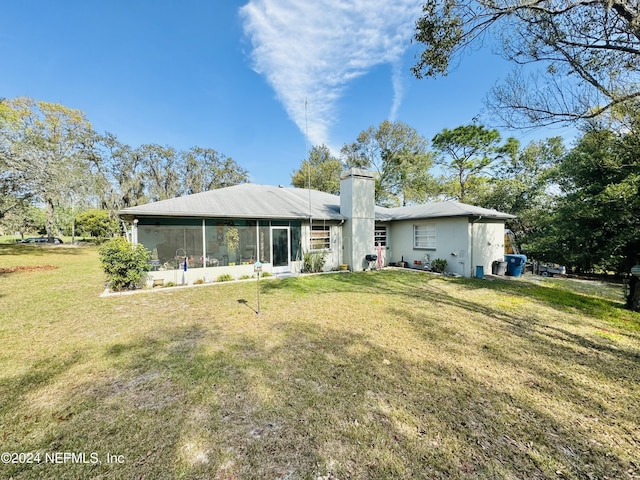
<point>380,236</point>
<point>171,240</point>
<point>320,237</point>
<point>424,236</point>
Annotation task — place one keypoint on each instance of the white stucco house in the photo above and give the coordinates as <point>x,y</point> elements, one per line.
<point>277,225</point>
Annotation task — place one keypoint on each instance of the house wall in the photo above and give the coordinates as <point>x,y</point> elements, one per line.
<point>487,244</point>
<point>206,274</point>
<point>464,243</point>
<point>452,243</point>
<point>333,255</point>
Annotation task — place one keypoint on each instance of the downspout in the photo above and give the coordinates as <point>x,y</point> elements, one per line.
<point>341,247</point>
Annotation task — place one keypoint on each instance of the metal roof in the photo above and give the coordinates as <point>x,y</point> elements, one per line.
<point>442,209</point>
<point>253,201</point>
<point>246,200</point>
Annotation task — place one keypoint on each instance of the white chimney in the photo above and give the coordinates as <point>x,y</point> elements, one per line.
<point>357,204</point>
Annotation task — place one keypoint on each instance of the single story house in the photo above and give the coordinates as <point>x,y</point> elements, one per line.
<point>229,229</point>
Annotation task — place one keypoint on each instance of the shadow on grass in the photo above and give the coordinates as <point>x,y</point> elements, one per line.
<point>14,391</point>
<point>244,302</point>
<point>555,295</point>
<point>190,402</point>
<point>310,400</point>
<point>412,286</point>
<point>612,361</point>
<point>158,394</point>
<point>440,416</point>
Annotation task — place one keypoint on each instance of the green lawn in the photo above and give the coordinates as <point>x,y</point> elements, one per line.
<point>372,375</point>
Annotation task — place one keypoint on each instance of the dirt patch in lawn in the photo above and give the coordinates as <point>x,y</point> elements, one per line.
<point>27,268</point>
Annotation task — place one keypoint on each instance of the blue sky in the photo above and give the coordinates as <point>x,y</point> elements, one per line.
<point>235,75</point>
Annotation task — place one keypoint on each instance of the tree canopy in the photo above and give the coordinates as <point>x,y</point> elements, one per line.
<point>596,222</point>
<point>321,171</point>
<point>398,155</point>
<point>465,152</point>
<point>206,169</point>
<point>152,172</point>
<point>45,152</point>
<point>520,185</point>
<point>51,157</point>
<point>588,53</point>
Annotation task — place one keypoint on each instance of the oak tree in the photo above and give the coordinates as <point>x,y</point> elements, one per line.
<point>205,169</point>
<point>46,152</point>
<point>587,53</point>
<point>398,155</point>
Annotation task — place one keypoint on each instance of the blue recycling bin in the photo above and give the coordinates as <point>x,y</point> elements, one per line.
<point>515,264</point>
<point>479,271</point>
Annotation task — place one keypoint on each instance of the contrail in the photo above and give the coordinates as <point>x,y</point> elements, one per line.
<point>314,49</point>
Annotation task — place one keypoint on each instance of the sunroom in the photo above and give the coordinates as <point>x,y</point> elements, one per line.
<point>225,232</point>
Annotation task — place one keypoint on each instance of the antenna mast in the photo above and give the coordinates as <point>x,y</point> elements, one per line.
<point>306,144</point>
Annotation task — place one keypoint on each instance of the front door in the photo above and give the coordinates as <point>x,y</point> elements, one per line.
<point>280,246</point>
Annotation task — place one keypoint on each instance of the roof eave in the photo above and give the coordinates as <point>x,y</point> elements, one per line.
<point>130,216</point>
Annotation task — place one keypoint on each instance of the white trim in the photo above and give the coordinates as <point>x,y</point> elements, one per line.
<point>284,268</point>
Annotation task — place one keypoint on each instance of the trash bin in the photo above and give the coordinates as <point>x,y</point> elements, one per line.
<point>498,268</point>
<point>479,271</point>
<point>515,264</point>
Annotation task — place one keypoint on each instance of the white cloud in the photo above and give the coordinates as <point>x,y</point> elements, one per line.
<point>311,50</point>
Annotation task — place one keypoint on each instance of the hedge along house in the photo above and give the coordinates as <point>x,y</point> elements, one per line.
<point>225,231</point>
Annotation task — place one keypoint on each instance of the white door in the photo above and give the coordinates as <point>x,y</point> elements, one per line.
<point>280,248</point>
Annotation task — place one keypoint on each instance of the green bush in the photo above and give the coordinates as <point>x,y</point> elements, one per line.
<point>96,223</point>
<point>439,265</point>
<point>225,277</point>
<point>126,265</point>
<point>313,262</point>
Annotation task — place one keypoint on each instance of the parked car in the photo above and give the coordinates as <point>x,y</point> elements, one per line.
<point>550,271</point>
<point>41,240</point>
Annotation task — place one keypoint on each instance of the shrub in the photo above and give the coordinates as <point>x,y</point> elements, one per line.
<point>97,223</point>
<point>313,262</point>
<point>439,265</point>
<point>319,260</point>
<point>126,265</point>
<point>307,262</point>
<point>225,277</point>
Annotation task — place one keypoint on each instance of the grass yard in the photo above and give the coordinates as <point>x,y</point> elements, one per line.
<point>372,375</point>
